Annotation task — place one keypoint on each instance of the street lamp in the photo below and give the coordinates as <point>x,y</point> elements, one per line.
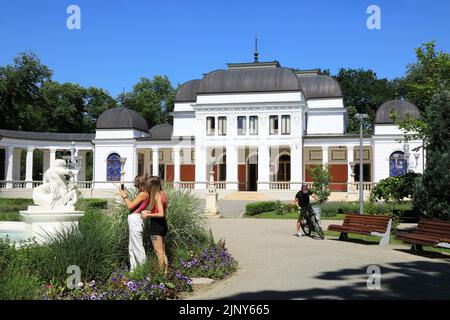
<point>122,172</point>
<point>361,117</point>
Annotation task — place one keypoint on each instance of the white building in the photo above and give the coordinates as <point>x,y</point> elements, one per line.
<point>258,126</point>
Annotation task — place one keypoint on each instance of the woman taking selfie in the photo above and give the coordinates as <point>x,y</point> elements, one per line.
<point>158,222</point>
<point>135,223</point>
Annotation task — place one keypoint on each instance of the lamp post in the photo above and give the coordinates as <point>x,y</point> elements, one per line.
<point>122,172</point>
<point>360,117</point>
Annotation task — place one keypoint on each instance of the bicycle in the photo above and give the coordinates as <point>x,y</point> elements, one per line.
<point>310,223</point>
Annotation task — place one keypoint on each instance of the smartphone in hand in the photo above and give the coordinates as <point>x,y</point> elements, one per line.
<point>122,186</point>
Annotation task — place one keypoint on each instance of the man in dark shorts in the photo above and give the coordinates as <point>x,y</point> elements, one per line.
<point>302,200</point>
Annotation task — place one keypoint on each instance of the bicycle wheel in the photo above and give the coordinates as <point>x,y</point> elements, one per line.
<point>318,228</point>
<point>305,227</point>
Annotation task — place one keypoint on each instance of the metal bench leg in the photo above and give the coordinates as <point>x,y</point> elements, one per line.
<point>343,236</point>
<point>416,247</point>
<point>385,239</point>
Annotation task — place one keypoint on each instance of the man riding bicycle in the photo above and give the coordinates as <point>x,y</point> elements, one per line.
<point>303,202</point>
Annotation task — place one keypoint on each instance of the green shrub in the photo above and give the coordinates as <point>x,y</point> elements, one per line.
<point>330,209</point>
<point>285,208</point>
<point>255,208</point>
<point>395,189</point>
<point>85,204</point>
<point>98,246</point>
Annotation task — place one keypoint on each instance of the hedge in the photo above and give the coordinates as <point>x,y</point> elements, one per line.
<point>255,208</point>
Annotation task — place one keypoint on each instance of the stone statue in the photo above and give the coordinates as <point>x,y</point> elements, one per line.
<point>56,191</point>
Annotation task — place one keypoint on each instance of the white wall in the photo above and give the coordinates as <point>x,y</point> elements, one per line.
<point>384,147</point>
<point>325,123</point>
<point>103,150</point>
<point>119,134</point>
<point>184,124</point>
<point>387,129</point>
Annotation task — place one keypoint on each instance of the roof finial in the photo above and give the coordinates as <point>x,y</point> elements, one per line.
<point>255,54</point>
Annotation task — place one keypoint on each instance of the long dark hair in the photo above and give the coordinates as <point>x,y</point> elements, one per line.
<point>153,187</point>
<point>140,182</point>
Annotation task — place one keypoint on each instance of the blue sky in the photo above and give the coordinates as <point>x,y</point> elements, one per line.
<point>121,41</point>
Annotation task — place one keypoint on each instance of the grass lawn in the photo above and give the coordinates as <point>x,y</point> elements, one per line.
<point>9,208</point>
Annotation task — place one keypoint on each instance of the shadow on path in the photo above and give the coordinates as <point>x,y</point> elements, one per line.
<point>402,280</point>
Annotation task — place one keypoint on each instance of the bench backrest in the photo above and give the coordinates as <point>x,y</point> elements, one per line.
<point>436,228</point>
<point>368,222</point>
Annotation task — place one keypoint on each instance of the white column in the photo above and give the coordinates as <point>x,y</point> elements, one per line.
<point>200,167</point>
<point>29,168</point>
<point>82,172</point>
<point>45,160</point>
<point>155,161</point>
<point>325,154</point>
<point>232,167</point>
<point>135,162</point>
<point>52,156</point>
<point>263,167</point>
<point>17,164</point>
<point>350,159</point>
<point>9,155</point>
<point>296,166</point>
<point>176,165</point>
<point>147,162</point>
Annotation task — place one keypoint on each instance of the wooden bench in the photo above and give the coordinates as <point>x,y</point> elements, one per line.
<point>370,225</point>
<point>434,233</point>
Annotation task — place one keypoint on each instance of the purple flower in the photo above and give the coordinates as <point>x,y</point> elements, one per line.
<point>162,286</point>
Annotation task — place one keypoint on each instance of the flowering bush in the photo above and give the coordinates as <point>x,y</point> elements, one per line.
<point>214,262</point>
<point>121,287</point>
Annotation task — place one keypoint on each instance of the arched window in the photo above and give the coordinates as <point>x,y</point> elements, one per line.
<point>113,167</point>
<point>397,164</point>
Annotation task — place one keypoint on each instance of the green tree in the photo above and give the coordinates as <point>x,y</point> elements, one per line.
<point>21,101</point>
<point>363,92</point>
<point>432,196</point>
<point>425,77</point>
<point>152,98</point>
<point>320,174</point>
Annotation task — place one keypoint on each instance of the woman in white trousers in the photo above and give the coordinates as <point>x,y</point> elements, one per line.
<point>135,222</point>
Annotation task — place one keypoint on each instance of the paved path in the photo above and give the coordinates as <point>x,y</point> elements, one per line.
<point>276,265</point>
<point>229,208</point>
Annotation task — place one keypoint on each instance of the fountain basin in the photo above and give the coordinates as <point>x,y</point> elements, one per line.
<point>42,222</point>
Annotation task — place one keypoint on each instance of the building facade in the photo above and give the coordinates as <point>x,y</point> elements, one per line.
<point>252,127</point>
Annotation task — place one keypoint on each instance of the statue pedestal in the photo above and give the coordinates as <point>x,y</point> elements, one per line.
<point>42,222</point>
<point>211,209</point>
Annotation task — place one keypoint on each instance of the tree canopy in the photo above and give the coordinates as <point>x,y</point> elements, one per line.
<point>31,100</point>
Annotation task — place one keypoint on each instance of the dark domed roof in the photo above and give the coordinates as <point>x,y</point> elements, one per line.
<point>161,131</point>
<point>121,118</point>
<point>257,79</point>
<point>319,86</point>
<point>187,92</point>
<point>400,107</point>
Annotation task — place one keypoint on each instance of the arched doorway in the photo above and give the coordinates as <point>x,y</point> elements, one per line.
<point>397,164</point>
